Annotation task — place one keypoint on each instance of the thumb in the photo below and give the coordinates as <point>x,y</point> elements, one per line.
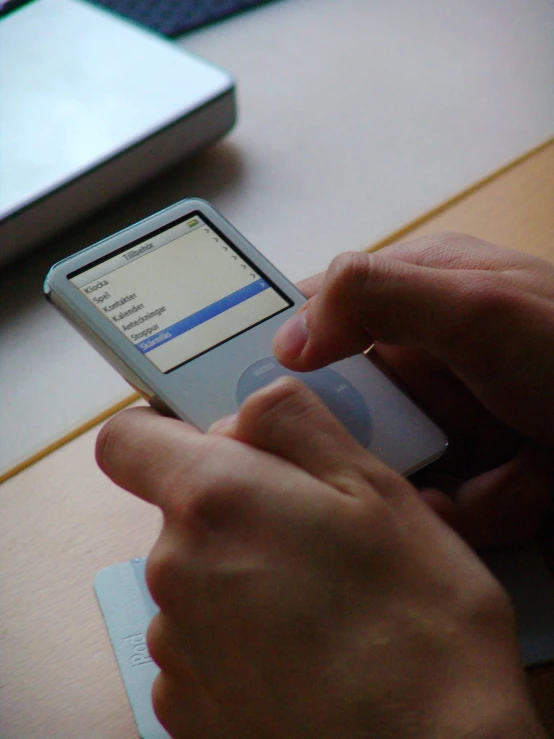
<point>489,319</point>
<point>371,297</point>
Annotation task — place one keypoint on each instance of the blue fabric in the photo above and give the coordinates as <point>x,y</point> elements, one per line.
<point>173,17</point>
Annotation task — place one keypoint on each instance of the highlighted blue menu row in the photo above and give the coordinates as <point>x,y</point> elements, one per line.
<point>201,316</point>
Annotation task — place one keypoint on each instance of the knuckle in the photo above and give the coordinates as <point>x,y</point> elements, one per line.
<point>180,481</point>
<point>161,702</point>
<point>496,296</point>
<point>449,250</point>
<point>488,606</point>
<point>348,272</point>
<point>163,571</point>
<point>155,640</point>
<point>445,250</point>
<point>497,608</point>
<point>485,313</point>
<point>190,487</point>
<point>488,297</point>
<point>206,498</point>
<point>212,511</point>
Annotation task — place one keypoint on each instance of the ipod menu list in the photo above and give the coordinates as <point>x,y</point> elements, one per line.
<point>177,300</point>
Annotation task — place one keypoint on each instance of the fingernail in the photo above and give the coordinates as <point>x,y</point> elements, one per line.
<point>291,337</point>
<point>222,424</point>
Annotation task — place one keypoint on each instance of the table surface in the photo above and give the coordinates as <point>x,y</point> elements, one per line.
<point>61,521</point>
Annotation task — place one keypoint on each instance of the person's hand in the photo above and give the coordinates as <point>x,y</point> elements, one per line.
<point>468,328</point>
<point>306,591</point>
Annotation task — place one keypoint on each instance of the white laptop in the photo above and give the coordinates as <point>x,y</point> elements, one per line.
<point>92,105</point>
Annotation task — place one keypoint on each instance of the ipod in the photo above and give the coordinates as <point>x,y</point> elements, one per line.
<point>185,308</point>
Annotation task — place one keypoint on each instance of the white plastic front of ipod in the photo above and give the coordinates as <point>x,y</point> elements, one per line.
<point>187,310</point>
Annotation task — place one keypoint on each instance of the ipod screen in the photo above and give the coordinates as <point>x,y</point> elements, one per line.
<point>180,293</point>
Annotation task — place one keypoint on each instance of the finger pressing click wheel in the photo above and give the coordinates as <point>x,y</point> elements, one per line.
<point>289,420</point>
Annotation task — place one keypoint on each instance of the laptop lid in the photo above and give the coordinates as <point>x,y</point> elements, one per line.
<point>80,87</point>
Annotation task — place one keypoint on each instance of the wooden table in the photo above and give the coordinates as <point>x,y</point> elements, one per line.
<point>61,521</point>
